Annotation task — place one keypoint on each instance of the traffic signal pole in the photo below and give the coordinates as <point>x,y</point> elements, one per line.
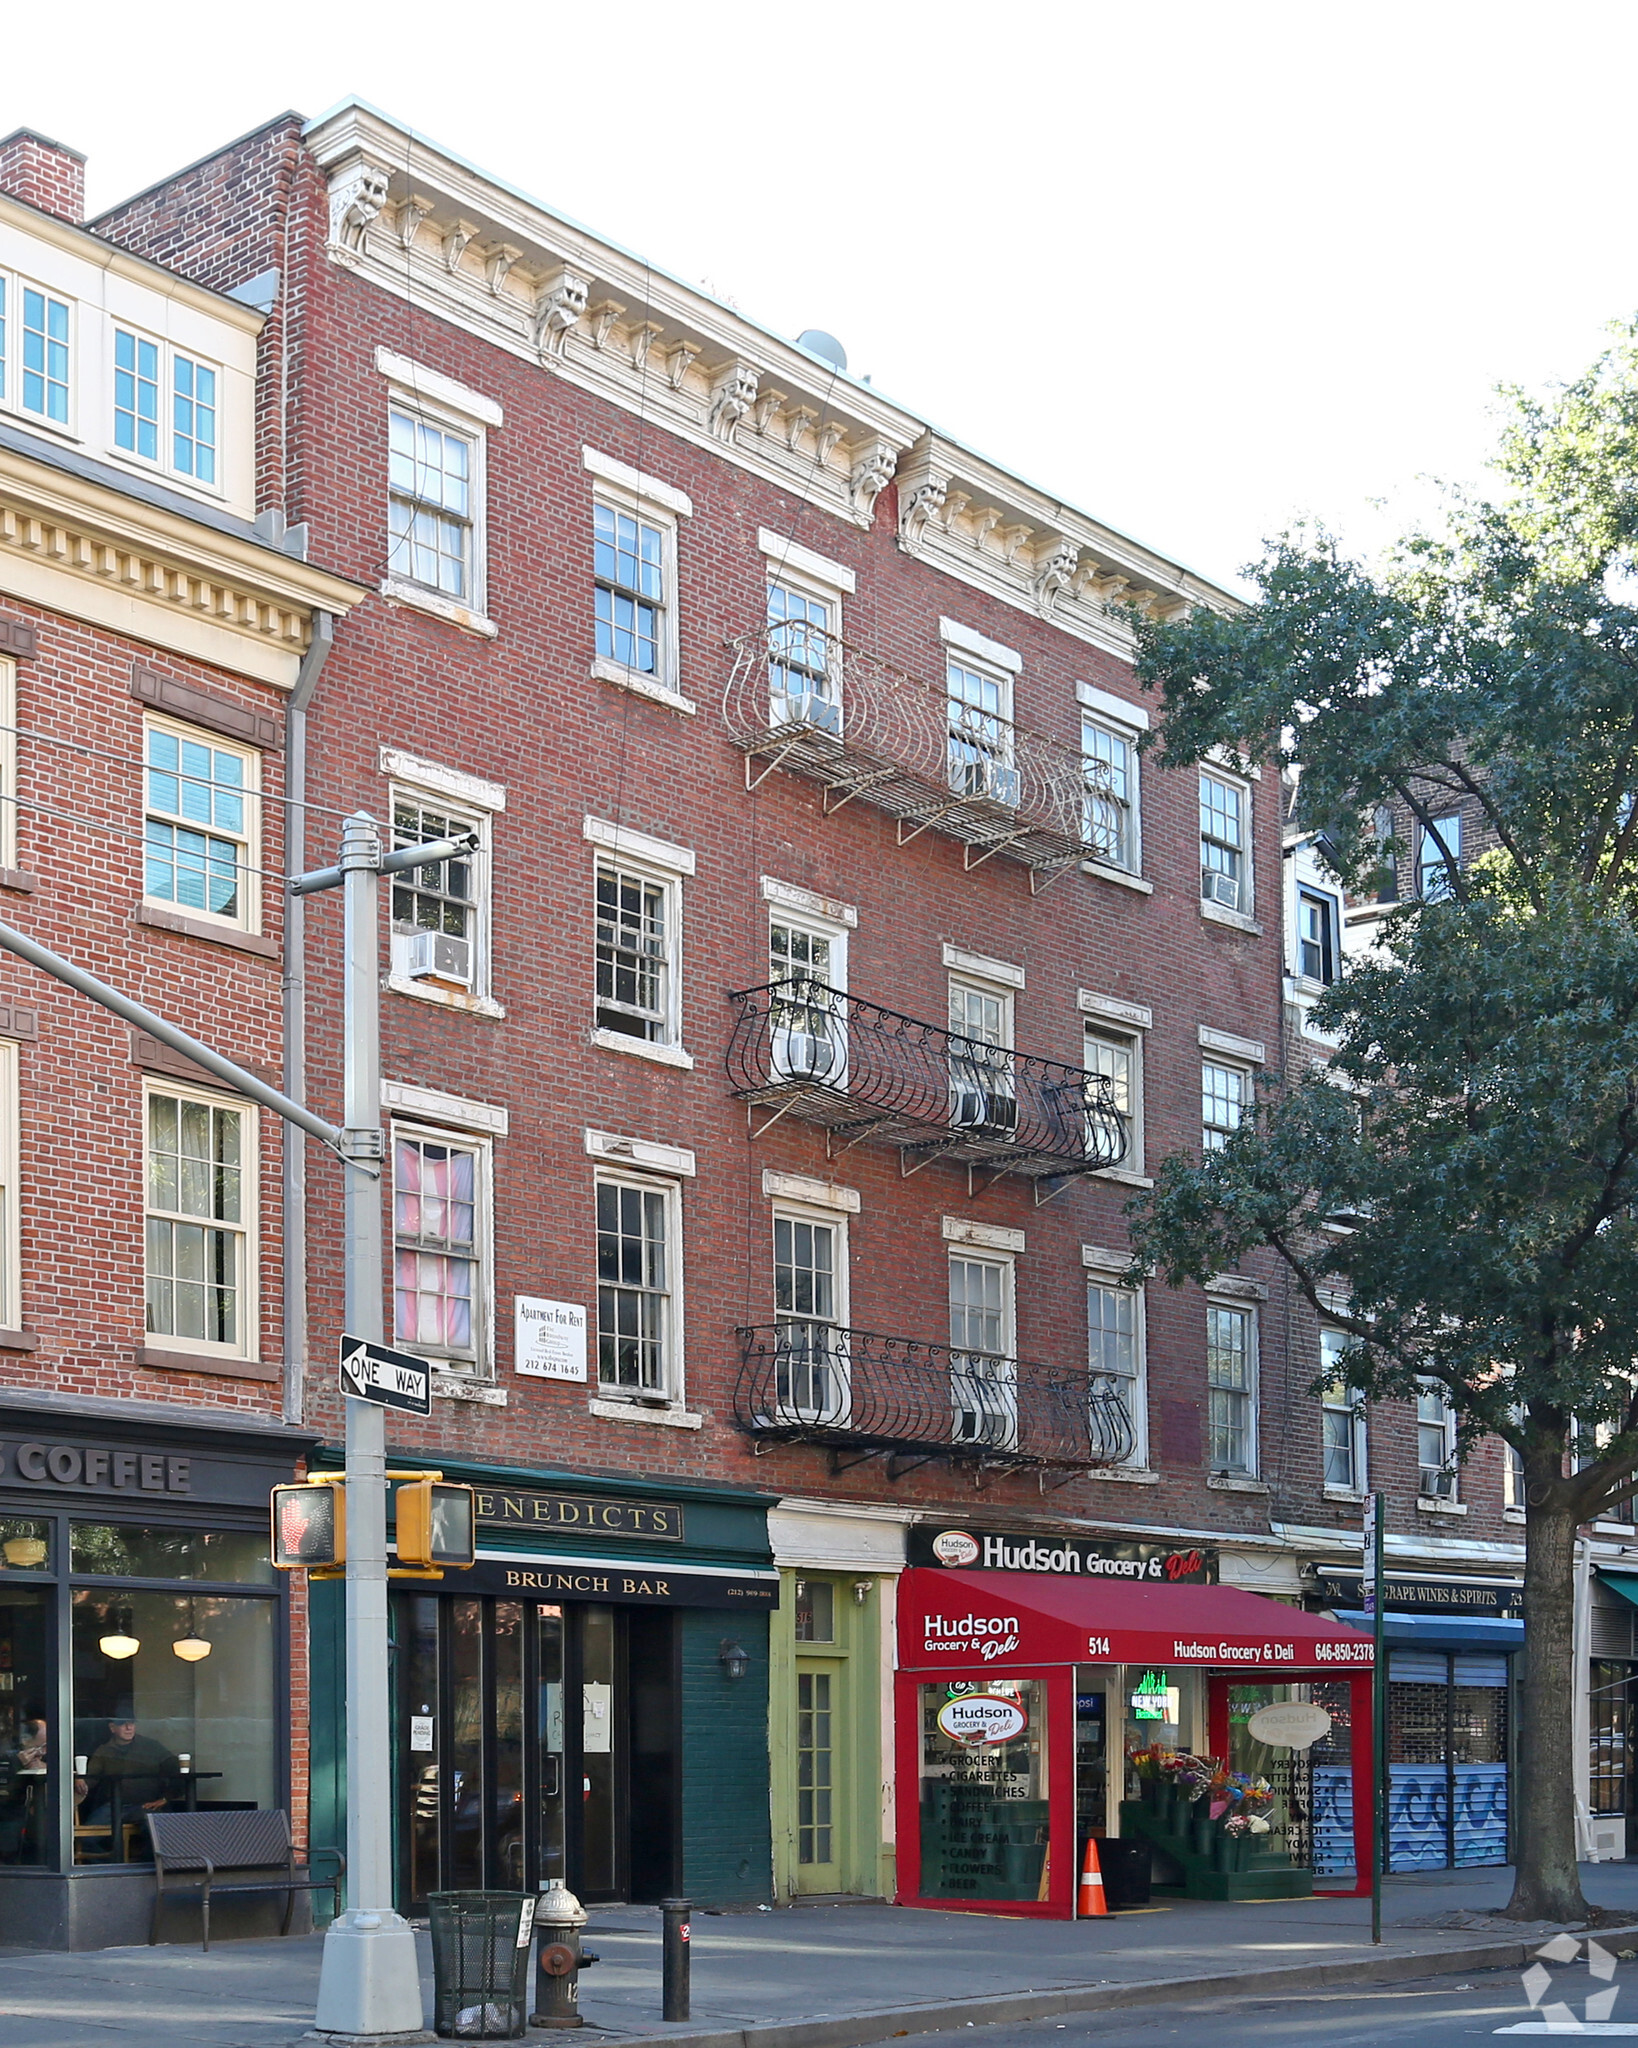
<point>369,1988</point>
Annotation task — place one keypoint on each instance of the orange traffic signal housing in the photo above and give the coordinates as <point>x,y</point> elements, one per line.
<point>437,1526</point>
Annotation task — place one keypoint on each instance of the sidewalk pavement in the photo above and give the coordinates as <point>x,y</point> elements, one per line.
<point>831,1975</point>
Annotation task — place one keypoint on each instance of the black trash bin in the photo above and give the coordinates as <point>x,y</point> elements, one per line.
<point>1127,1870</point>
<point>480,1964</point>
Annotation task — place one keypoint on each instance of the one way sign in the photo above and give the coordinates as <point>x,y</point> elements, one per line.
<point>392,1379</point>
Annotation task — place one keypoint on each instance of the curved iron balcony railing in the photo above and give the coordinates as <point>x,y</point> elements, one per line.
<point>866,1072</point>
<point>807,1382</point>
<point>801,699</point>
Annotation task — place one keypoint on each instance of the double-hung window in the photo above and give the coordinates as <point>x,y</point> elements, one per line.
<point>200,825</point>
<point>1316,935</point>
<point>1225,1095</point>
<point>43,386</point>
<point>1435,1442</point>
<point>430,505</point>
<point>1117,1057</point>
<point>807,969</point>
<point>1342,1418</point>
<point>983,1081</point>
<point>1441,849</point>
<point>11,1235</point>
<point>629,571</point>
<point>435,909</point>
<point>1231,1387</point>
<point>1111,793</point>
<point>201,1164</point>
<point>193,418</point>
<point>440,1257</point>
<point>1225,867</point>
<point>810,1304</point>
<point>979,703</point>
<point>636,929</point>
<point>144,369</point>
<point>10,788</point>
<point>1115,1354</point>
<point>637,1228</point>
<point>804,663</point>
<point>983,1368</point>
<point>136,394</point>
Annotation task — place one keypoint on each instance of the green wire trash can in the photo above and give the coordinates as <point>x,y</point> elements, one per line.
<point>480,1964</point>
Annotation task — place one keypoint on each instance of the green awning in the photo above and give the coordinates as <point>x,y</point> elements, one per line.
<point>1624,1583</point>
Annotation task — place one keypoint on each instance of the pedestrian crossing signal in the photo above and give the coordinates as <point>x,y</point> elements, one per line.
<point>309,1528</point>
<point>436,1526</point>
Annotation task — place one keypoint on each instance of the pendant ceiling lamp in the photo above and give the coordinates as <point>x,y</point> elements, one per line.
<point>193,1646</point>
<point>119,1641</point>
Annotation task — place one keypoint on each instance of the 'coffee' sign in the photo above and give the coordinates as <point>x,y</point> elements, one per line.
<point>90,1468</point>
<point>585,1514</point>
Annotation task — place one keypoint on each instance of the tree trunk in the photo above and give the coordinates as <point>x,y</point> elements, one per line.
<point>1548,1881</point>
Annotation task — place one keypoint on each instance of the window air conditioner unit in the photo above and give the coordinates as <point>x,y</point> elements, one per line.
<point>807,1056</point>
<point>434,956</point>
<point>1216,887</point>
<point>991,1111</point>
<point>808,707</point>
<point>996,781</point>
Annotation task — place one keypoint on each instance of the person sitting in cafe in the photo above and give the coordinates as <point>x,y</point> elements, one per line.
<point>144,1770</point>
<point>21,1769</point>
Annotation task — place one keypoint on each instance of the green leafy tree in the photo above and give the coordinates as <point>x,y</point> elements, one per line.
<point>1477,1126</point>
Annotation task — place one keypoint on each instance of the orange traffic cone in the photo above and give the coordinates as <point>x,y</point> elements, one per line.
<point>1093,1905</point>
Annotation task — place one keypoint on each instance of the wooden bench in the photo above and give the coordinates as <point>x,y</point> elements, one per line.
<point>213,1842</point>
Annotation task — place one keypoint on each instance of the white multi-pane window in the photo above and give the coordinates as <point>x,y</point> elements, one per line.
<point>1316,935</point>
<point>808,1025</point>
<point>1111,801</point>
<point>810,1295</point>
<point>1225,874</point>
<point>629,560</point>
<point>136,394</point>
<point>980,725</point>
<point>804,665</point>
<point>636,940</point>
<point>983,1369</point>
<point>45,322</point>
<point>1224,1095</point>
<point>1118,1057</point>
<point>983,1082</point>
<point>1231,1387</point>
<point>9,788</point>
<point>440,1188</point>
<point>1115,1352</point>
<point>5,332</point>
<point>436,910</point>
<point>635,1286</point>
<point>1513,1466</point>
<point>11,1277</point>
<point>1342,1418</point>
<point>200,1212</point>
<point>199,825</point>
<point>1435,1442</point>
<point>431,488</point>
<point>193,418</point>
<point>1433,867</point>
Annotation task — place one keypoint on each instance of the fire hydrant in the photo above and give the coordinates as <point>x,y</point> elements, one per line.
<point>559,1959</point>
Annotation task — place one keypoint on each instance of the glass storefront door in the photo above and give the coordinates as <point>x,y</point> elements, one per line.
<point>984,1787</point>
<point>534,1741</point>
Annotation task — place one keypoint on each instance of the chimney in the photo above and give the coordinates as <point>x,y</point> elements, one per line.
<point>43,173</point>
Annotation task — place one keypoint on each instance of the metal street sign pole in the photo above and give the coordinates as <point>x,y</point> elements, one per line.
<point>369,1982</point>
<point>1375,1517</point>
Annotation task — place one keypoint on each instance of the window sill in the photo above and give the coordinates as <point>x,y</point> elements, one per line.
<point>446,998</point>
<point>205,1362</point>
<point>632,679</point>
<point>19,879</point>
<point>439,607</point>
<point>644,1049</point>
<point>1615,1528</point>
<point>460,1386</point>
<point>1221,1482</point>
<point>201,928</point>
<point>671,1417</point>
<point>1127,1475</point>
<point>1513,1515</point>
<point>1126,1178</point>
<point>1429,1504</point>
<point>1119,876</point>
<point>1345,1493</point>
<point>19,1340</point>
<point>1217,913</point>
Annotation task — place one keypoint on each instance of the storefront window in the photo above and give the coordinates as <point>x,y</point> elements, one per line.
<point>597,1747</point>
<point>984,1790</point>
<point>815,1611</point>
<point>25,1546</point>
<point>173,1707</point>
<point>416,1642</point>
<point>119,1550</point>
<point>25,1705</point>
<point>549,1622</point>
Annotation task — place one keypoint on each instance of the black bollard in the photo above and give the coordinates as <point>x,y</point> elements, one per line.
<point>675,1957</point>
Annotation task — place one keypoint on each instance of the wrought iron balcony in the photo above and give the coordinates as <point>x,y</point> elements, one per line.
<point>799,698</point>
<point>865,1072</point>
<point>857,1391</point>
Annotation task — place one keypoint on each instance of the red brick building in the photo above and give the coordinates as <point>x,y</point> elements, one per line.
<point>152,634</point>
<point>767,1088</point>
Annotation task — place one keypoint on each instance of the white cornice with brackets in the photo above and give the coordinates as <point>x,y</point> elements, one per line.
<point>426,227</point>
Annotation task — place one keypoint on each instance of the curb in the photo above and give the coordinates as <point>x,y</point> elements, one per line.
<point>857,2030</point>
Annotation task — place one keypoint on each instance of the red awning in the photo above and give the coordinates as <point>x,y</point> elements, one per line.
<point>955,1620</point>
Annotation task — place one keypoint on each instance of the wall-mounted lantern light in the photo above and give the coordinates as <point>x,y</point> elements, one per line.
<point>734,1658</point>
